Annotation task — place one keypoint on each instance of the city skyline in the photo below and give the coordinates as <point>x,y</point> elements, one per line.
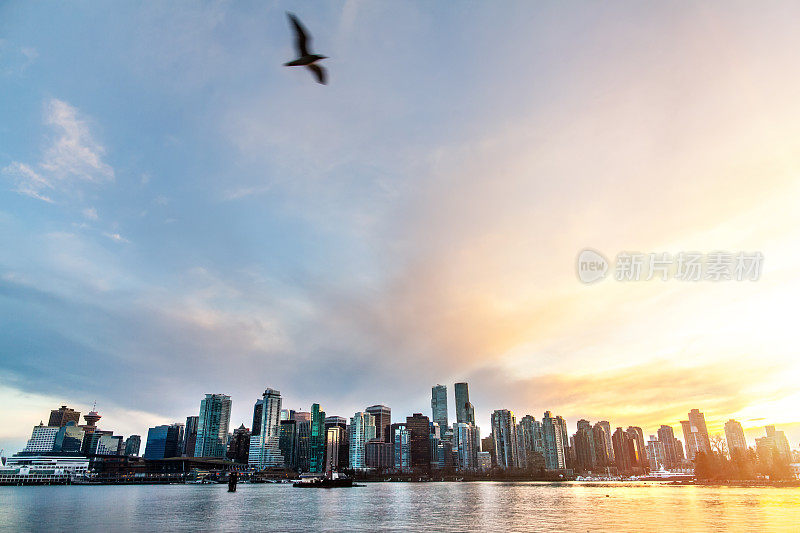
<point>180,214</point>
<point>550,431</point>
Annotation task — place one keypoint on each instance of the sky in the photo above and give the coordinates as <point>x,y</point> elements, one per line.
<point>180,214</point>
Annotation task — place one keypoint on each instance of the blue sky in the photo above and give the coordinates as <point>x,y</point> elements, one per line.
<point>179,214</point>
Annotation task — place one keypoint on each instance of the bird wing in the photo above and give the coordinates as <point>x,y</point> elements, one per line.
<point>319,72</point>
<point>301,38</point>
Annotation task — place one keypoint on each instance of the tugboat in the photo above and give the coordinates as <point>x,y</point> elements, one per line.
<point>331,481</point>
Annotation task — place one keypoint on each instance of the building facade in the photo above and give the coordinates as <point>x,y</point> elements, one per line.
<point>465,412</point>
<point>362,430</point>
<point>265,451</point>
<point>212,426</point>
<point>439,406</point>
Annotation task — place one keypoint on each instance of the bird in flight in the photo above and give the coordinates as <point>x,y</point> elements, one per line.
<point>306,59</point>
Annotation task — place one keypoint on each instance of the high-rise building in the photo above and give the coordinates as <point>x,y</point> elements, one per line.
<point>419,443</point>
<point>163,441</point>
<point>775,446</point>
<point>601,444</point>
<point>342,446</point>
<point>265,449</point>
<point>383,421</point>
<point>109,444</point>
<point>584,444</point>
<point>69,438</point>
<point>641,450</point>
<point>362,430</point>
<point>239,445</point>
<point>673,448</point>
<point>91,418</point>
<point>556,443</point>
<point>132,445</point>
<point>734,435</point>
<point>695,434</point>
<point>42,439</point>
<point>59,417</point>
<point>212,426</point>
<point>334,439</point>
<point>465,412</point>
<point>465,443</point>
<point>287,443</point>
<point>656,453</point>
<point>487,445</point>
<point>378,455</point>
<point>300,416</point>
<point>504,431</point>
<point>402,450</point>
<point>605,425</point>
<point>625,454</point>
<point>316,444</point>
<point>439,406</point>
<point>303,445</point>
<point>190,435</point>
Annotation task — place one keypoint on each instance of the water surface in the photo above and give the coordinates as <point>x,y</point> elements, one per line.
<point>401,507</point>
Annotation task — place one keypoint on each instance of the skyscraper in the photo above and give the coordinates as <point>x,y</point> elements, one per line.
<point>42,438</point>
<point>605,425</point>
<point>333,442</point>
<point>190,435</point>
<point>641,451</point>
<point>465,444</point>
<point>59,417</point>
<point>601,444</point>
<point>316,450</point>
<point>585,454</point>
<point>265,449</point>
<point>734,435</point>
<point>439,406</point>
<point>504,431</point>
<point>419,443</point>
<point>162,441</point>
<point>465,412</point>
<point>656,453</point>
<point>212,426</point>
<point>383,421</point>
<point>695,434</point>
<point>343,461</point>
<point>673,449</point>
<point>402,452</point>
<point>555,442</point>
<point>362,430</point>
<point>624,451</point>
<point>69,438</point>
<point>239,445</point>
<point>774,446</point>
<point>530,445</point>
<point>287,443</point>
<point>132,445</point>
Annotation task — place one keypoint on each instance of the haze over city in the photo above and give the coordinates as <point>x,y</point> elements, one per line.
<point>180,215</point>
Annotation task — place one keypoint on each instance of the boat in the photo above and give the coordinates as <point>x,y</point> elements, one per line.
<point>665,475</point>
<point>323,482</point>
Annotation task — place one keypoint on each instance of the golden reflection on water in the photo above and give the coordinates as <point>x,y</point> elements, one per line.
<point>404,507</point>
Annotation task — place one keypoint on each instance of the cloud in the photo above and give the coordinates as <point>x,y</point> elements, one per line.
<point>28,181</point>
<point>116,237</point>
<point>90,213</point>
<point>74,153</point>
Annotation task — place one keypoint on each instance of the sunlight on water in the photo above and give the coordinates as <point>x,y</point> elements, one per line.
<point>403,506</point>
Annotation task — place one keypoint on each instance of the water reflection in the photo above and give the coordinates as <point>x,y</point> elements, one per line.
<point>402,506</point>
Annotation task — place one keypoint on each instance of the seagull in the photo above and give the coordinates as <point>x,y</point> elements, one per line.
<point>306,59</point>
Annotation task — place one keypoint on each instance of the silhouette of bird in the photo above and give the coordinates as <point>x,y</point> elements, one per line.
<point>306,59</point>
